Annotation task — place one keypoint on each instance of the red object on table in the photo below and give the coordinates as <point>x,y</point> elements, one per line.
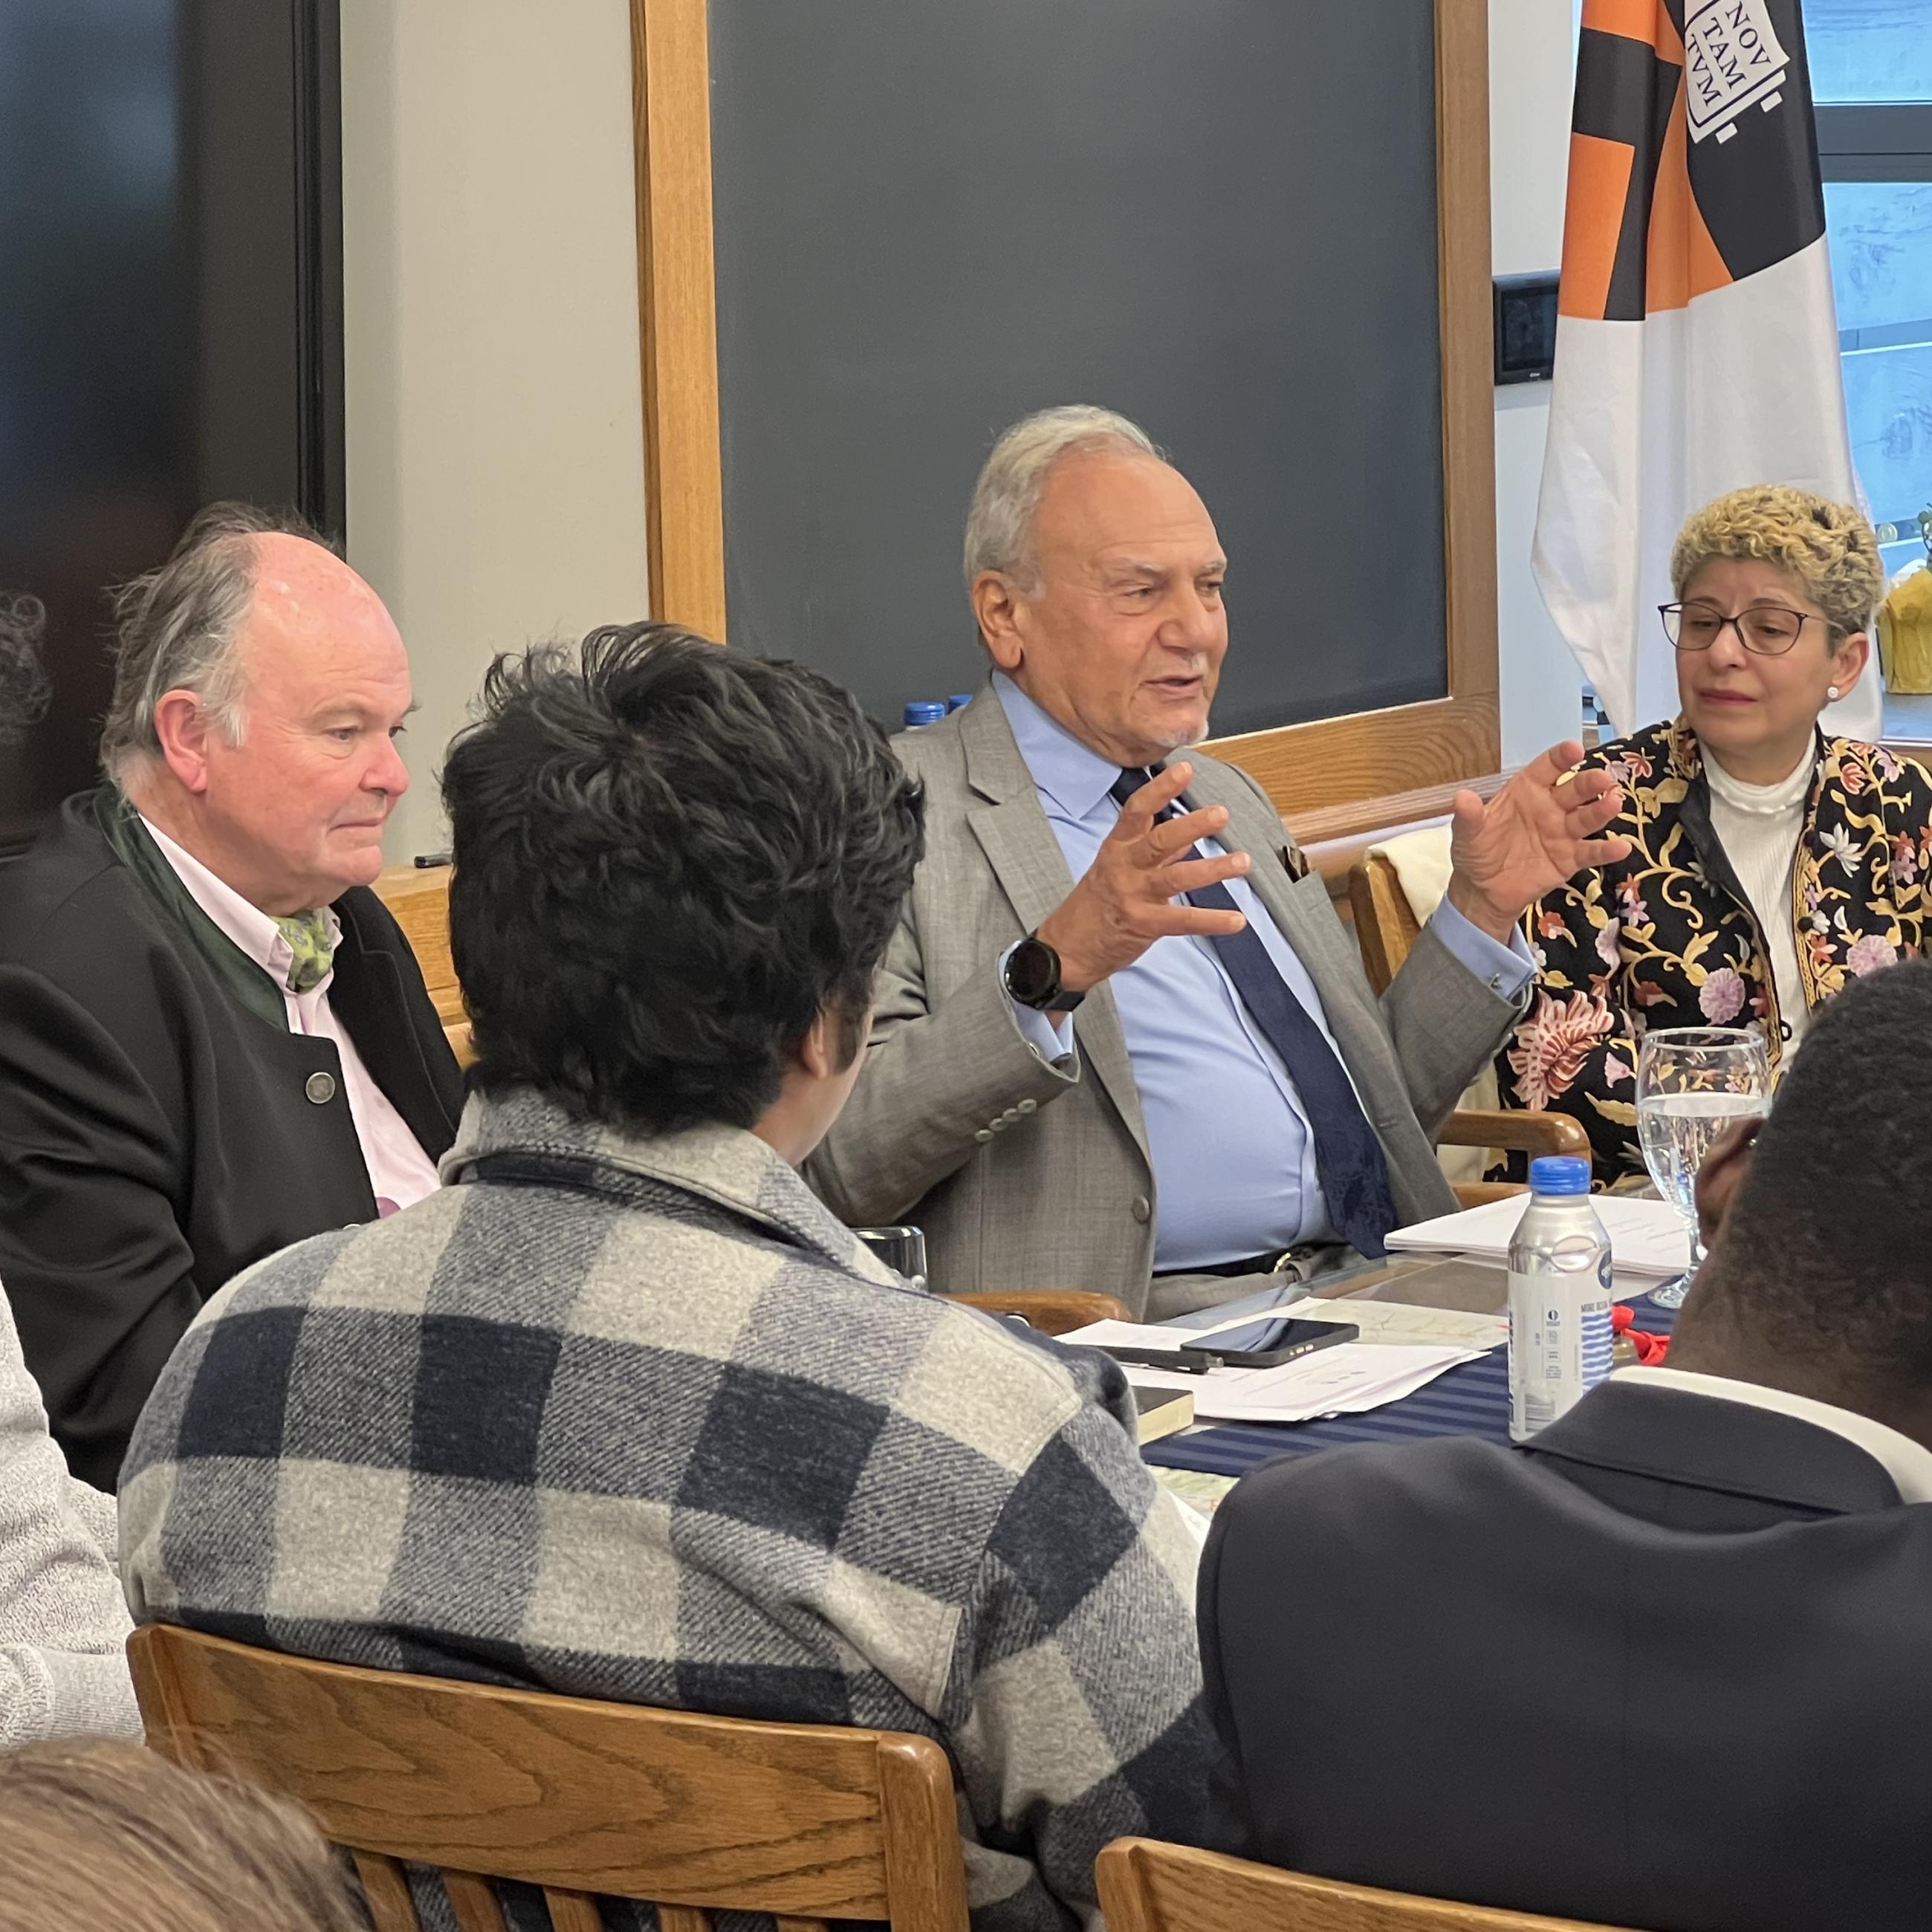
<point>1650,1349</point>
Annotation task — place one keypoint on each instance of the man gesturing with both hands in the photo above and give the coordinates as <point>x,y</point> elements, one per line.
<point>1122,1041</point>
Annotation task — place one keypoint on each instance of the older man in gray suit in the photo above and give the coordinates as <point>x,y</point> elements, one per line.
<point>1121,1041</point>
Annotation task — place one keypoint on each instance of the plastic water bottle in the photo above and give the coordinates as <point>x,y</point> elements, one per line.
<point>1559,1296</point>
<point>919,715</point>
<point>958,701</point>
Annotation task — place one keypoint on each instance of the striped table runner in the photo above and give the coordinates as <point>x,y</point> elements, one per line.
<point>1471,1400</point>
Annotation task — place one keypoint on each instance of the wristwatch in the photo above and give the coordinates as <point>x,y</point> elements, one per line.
<point>1033,978</point>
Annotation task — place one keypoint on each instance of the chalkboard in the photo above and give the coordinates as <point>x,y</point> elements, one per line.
<point>1217,216</point>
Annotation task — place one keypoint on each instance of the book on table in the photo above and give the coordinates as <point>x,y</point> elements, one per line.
<point>1163,1411</point>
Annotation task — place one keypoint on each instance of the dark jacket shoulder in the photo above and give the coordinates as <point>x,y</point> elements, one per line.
<point>1596,1678</point>
<point>65,887</point>
<point>161,1129</point>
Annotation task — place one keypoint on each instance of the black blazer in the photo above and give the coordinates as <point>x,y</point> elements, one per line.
<point>1670,1667</point>
<point>156,1137</point>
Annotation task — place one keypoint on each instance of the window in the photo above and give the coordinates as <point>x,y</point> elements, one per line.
<point>1871,79</point>
<point>1869,50</point>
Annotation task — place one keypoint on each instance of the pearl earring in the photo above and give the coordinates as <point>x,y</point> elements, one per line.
<point>1831,692</point>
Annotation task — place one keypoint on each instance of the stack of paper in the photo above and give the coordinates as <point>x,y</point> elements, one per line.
<point>1396,1322</point>
<point>1346,1379</point>
<point>1647,1238</point>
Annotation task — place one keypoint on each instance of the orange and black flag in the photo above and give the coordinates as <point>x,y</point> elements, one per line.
<point>1697,340</point>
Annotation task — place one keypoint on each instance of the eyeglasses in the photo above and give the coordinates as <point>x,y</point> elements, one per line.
<point>1766,630</point>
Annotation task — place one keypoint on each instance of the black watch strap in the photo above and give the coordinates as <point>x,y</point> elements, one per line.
<point>1033,978</point>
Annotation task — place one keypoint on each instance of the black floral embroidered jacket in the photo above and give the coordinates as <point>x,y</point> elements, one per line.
<point>1666,937</point>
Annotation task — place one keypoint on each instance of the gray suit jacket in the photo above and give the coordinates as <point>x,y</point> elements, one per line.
<point>1027,1173</point>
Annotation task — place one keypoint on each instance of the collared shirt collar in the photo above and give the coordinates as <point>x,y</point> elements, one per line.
<point>249,928</point>
<point>729,1165</point>
<point>1908,1463</point>
<point>1073,776</point>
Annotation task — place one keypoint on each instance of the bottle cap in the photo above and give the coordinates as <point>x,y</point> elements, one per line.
<point>926,713</point>
<point>959,701</point>
<point>1559,1174</point>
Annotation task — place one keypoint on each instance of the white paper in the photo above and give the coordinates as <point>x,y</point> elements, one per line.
<point>1133,1335</point>
<point>1647,1238</point>
<point>1347,1379</point>
<point>1394,1322</point>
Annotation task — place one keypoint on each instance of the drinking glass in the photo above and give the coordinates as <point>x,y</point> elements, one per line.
<point>902,1249</point>
<point>1692,1082</point>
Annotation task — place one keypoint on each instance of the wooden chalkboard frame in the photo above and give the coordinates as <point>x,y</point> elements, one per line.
<point>1331,762</point>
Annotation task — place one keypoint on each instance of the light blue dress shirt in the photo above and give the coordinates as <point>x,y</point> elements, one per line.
<point>1234,1161</point>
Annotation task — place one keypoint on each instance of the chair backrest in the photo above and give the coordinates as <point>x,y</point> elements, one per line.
<point>696,1814</point>
<point>1146,1886</point>
<point>418,897</point>
<point>1386,926</point>
<point>1053,1311</point>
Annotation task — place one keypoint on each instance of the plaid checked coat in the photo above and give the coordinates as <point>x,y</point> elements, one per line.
<point>639,1419</point>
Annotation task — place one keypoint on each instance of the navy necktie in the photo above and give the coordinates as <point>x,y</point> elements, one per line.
<point>1348,1159</point>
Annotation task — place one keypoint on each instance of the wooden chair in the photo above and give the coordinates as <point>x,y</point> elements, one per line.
<point>698,1814</point>
<point>1053,1311</point>
<point>1146,1886</point>
<point>1516,1131</point>
<point>1386,929</point>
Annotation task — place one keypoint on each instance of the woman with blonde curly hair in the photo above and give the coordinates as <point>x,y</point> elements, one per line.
<point>1768,861</point>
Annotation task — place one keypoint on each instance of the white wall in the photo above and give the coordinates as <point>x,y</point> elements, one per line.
<point>1532,57</point>
<point>495,421</point>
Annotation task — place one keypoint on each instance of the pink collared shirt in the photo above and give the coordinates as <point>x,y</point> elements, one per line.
<point>399,1172</point>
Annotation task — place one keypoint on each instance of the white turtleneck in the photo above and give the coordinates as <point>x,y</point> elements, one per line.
<point>1759,827</point>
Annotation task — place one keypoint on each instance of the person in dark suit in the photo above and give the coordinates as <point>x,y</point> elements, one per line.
<point>1669,1665</point>
<point>214,1038</point>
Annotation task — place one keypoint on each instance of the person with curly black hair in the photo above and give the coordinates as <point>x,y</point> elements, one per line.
<point>1668,1662</point>
<point>624,1411</point>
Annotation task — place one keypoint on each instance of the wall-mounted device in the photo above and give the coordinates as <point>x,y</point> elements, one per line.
<point>1526,316</point>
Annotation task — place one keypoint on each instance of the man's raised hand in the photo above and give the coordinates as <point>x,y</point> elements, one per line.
<point>1541,829</point>
<point>1130,896</point>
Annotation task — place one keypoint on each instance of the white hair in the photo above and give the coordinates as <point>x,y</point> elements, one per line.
<point>178,629</point>
<point>1005,499</point>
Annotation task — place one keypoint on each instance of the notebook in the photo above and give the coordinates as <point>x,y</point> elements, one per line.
<point>1647,1238</point>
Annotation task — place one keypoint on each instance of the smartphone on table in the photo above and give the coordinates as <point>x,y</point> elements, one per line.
<point>1263,1343</point>
<point>1269,1340</point>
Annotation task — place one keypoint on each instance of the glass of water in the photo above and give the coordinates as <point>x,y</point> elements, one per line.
<point>1692,1082</point>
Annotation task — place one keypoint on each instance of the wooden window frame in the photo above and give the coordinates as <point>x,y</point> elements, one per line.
<point>1328,762</point>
